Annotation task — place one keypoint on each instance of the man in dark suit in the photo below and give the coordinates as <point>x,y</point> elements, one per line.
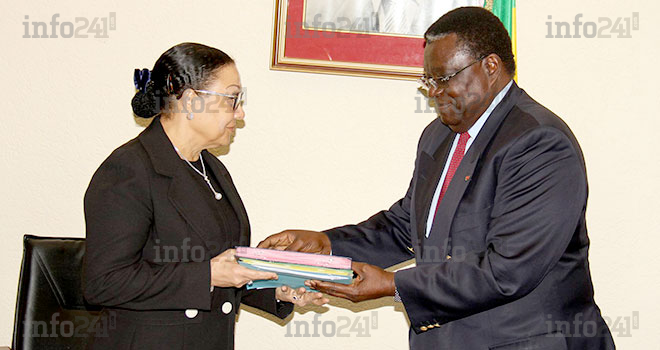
<point>494,215</point>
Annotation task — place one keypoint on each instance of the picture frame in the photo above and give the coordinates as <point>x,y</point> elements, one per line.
<point>306,40</point>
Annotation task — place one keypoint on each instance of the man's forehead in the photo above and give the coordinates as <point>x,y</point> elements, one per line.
<point>442,51</point>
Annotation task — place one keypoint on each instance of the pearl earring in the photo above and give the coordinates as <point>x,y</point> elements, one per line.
<point>190,116</point>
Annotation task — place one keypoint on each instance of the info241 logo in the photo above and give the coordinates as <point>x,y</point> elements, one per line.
<point>82,28</point>
<point>605,28</point>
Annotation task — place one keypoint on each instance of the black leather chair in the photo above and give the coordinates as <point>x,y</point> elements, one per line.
<point>50,310</point>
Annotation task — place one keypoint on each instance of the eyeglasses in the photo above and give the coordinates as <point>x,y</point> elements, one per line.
<point>237,99</point>
<point>443,82</point>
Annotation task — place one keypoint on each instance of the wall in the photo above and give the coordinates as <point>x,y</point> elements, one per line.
<point>318,150</point>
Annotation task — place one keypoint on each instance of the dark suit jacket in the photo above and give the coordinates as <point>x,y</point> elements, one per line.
<point>505,265</point>
<point>148,250</point>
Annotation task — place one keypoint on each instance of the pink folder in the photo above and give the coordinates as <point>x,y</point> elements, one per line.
<point>331,261</point>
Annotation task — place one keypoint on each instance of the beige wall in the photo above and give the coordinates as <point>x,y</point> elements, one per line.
<point>321,150</point>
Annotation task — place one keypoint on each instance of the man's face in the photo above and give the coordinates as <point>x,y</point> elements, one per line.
<point>467,95</point>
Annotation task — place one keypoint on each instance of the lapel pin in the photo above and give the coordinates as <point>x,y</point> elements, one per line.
<point>467,178</point>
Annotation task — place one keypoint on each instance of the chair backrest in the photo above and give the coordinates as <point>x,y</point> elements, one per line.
<point>51,312</point>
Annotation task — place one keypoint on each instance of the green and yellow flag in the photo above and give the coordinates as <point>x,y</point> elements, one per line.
<point>505,10</point>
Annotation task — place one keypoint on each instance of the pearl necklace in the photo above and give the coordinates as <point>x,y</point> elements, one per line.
<point>217,195</point>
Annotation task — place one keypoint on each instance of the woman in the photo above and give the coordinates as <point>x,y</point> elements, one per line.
<point>162,215</point>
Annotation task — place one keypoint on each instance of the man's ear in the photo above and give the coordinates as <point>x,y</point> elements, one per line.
<point>494,66</point>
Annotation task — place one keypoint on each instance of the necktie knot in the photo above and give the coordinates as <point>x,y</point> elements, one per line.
<point>463,139</point>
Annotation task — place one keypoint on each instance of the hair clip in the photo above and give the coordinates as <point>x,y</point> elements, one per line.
<point>141,78</point>
<point>170,86</point>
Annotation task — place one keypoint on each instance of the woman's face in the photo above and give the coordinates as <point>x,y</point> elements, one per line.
<point>214,118</point>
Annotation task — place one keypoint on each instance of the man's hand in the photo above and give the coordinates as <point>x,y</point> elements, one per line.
<point>371,282</point>
<point>298,241</point>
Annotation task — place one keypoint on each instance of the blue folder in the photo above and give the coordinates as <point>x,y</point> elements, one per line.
<point>292,279</point>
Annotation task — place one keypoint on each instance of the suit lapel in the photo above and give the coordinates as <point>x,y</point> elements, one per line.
<point>231,194</point>
<point>430,170</point>
<point>186,197</point>
<point>440,230</point>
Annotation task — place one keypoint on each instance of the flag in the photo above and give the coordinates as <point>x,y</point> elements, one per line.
<point>505,10</point>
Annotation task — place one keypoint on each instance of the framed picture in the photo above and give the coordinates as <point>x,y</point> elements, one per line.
<point>370,38</point>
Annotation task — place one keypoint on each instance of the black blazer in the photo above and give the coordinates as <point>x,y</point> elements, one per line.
<point>149,247</point>
<point>505,265</point>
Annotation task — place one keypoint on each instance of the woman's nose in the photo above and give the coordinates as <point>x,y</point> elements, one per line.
<point>239,113</point>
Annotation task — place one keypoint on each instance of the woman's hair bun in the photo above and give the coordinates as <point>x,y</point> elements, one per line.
<point>144,103</point>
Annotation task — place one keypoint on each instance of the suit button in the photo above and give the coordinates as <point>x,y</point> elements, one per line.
<point>437,325</point>
<point>423,328</point>
<point>430,326</point>
<point>448,257</point>
<point>227,307</point>
<point>191,313</point>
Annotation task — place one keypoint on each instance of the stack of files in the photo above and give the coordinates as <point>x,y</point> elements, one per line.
<point>294,268</point>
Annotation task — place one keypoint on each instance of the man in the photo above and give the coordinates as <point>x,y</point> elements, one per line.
<point>494,216</point>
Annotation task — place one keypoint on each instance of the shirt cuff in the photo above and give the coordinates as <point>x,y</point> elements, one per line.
<point>397,296</point>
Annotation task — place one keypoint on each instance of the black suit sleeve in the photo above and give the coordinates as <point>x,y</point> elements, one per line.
<point>118,215</point>
<point>264,300</point>
<point>540,197</point>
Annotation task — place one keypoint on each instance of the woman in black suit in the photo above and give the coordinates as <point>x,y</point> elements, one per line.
<point>162,215</point>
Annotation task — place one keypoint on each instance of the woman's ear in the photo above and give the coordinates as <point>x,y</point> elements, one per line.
<point>186,99</point>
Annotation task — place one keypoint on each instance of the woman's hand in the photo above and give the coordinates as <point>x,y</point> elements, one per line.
<point>226,272</point>
<point>300,296</point>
